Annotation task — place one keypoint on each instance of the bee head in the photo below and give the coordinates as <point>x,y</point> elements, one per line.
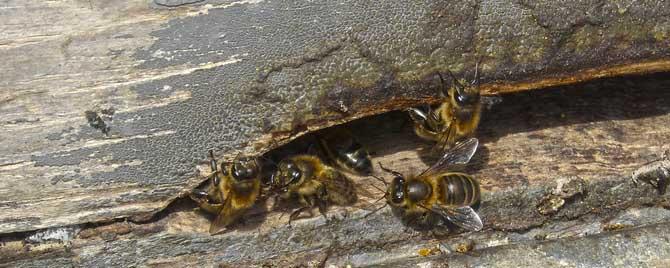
<point>464,102</point>
<point>396,191</point>
<point>464,97</point>
<point>244,168</point>
<point>287,173</point>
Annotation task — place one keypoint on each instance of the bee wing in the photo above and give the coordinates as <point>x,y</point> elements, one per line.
<point>340,189</point>
<point>226,216</point>
<point>465,217</point>
<point>460,154</point>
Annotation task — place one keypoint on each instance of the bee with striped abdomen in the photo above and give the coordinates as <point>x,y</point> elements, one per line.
<point>232,193</point>
<point>313,183</point>
<point>438,193</point>
<point>457,117</point>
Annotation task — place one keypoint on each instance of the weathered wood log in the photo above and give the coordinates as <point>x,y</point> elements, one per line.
<point>109,107</point>
<point>591,135</point>
<point>172,83</point>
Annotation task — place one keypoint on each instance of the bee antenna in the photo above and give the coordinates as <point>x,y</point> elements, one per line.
<point>395,173</point>
<point>375,211</point>
<point>212,163</point>
<point>375,186</point>
<point>459,86</point>
<point>441,92</point>
<point>212,160</point>
<point>476,78</point>
<point>380,179</point>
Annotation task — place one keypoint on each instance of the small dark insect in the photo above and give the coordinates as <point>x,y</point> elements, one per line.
<point>438,192</point>
<point>313,183</point>
<point>345,152</point>
<point>456,118</point>
<point>95,121</point>
<point>231,194</point>
<point>656,173</point>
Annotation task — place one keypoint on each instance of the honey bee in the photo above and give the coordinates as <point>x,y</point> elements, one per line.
<point>230,195</point>
<point>457,117</point>
<point>345,152</point>
<point>437,193</point>
<point>313,183</point>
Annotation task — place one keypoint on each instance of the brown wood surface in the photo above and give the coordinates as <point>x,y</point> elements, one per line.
<point>596,133</point>
<point>171,79</point>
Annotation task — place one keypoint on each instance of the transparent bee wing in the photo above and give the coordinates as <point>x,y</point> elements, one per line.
<point>465,217</point>
<point>460,154</point>
<point>226,216</point>
<point>340,189</point>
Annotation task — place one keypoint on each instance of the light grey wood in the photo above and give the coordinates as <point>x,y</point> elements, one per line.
<point>172,82</point>
<point>592,136</point>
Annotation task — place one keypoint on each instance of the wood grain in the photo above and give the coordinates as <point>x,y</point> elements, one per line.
<point>174,82</point>
<point>598,132</point>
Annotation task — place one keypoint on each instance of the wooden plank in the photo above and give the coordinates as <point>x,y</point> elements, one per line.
<point>595,134</point>
<point>171,83</point>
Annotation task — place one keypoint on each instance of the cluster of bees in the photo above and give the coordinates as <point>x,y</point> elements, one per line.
<point>436,195</point>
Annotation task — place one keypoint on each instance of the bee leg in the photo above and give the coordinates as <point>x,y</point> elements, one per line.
<point>203,201</point>
<point>296,213</point>
<point>276,200</point>
<point>433,120</point>
<point>320,201</point>
<point>410,222</point>
<point>447,139</point>
<point>418,116</point>
<point>322,209</point>
<point>199,196</point>
<point>211,208</point>
<point>212,163</point>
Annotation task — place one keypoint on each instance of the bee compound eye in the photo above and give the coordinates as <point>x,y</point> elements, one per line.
<point>398,190</point>
<point>462,98</point>
<point>295,174</point>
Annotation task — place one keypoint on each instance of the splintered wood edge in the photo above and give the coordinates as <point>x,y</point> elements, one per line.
<point>579,77</point>
<point>271,141</point>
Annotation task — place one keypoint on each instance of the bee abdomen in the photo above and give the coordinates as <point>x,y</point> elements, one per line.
<point>460,189</point>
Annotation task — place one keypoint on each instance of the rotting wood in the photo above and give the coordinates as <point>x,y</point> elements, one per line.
<point>598,132</point>
<point>182,80</point>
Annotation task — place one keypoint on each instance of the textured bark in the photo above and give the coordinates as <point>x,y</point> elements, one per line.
<point>109,107</point>
<point>579,144</point>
